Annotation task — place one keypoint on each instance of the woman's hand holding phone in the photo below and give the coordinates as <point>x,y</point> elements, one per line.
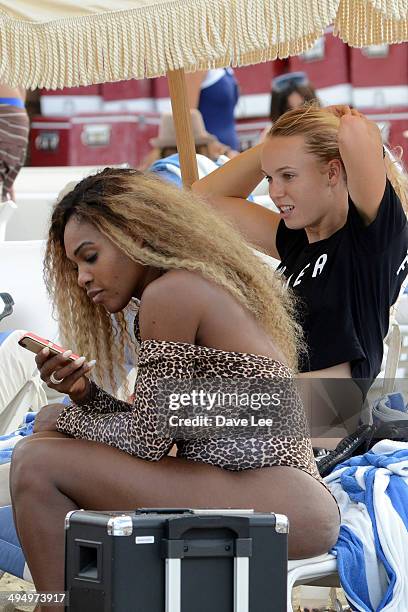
<point>66,376</point>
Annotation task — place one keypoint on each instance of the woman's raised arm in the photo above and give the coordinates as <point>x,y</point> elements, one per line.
<point>360,146</point>
<point>227,188</point>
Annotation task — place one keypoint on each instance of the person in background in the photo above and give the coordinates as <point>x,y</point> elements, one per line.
<point>18,375</point>
<point>289,91</point>
<point>14,129</point>
<point>215,94</point>
<point>164,159</point>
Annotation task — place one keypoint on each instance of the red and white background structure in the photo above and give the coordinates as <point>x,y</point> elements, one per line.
<point>113,122</point>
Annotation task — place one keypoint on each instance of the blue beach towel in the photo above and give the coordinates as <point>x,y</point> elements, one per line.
<point>372,549</point>
<point>11,555</point>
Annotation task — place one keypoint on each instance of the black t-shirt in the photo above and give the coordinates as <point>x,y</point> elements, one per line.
<point>346,285</point>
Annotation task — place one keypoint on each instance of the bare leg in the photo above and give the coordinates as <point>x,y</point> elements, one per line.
<point>47,434</point>
<point>52,475</point>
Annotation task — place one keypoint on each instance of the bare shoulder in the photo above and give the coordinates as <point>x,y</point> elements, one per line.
<point>171,307</point>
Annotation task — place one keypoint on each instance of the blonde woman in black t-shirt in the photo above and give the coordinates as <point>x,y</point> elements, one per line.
<point>340,234</point>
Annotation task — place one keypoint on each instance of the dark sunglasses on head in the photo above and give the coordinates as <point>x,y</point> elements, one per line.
<point>284,81</point>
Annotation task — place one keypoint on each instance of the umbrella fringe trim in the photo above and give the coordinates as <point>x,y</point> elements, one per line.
<point>360,23</point>
<point>206,34</point>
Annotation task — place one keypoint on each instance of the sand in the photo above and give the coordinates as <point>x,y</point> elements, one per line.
<point>11,583</point>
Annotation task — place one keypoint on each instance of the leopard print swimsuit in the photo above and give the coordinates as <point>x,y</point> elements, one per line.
<point>143,429</point>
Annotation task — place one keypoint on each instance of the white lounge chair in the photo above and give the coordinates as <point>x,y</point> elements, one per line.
<point>21,275</point>
<point>36,190</point>
<point>21,265</point>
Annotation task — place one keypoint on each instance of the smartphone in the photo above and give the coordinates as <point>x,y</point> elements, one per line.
<point>35,343</point>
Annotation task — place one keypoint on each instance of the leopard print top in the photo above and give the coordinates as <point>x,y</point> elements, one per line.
<point>143,429</point>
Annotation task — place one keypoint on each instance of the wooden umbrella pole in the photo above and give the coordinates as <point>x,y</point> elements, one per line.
<point>182,124</point>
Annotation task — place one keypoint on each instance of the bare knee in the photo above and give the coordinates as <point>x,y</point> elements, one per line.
<point>28,463</point>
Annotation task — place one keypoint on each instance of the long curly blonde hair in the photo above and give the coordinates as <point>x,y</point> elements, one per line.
<point>320,127</point>
<point>179,231</point>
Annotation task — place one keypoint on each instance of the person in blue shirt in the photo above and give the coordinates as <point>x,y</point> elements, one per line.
<point>215,94</point>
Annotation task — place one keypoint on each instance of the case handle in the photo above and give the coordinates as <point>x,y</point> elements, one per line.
<point>177,527</point>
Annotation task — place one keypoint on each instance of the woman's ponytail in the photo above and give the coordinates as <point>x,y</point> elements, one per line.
<point>397,176</point>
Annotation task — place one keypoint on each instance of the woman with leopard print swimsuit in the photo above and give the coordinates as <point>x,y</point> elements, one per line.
<point>105,419</point>
<point>120,235</point>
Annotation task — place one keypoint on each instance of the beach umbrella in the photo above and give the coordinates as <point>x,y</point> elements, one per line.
<point>66,43</point>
